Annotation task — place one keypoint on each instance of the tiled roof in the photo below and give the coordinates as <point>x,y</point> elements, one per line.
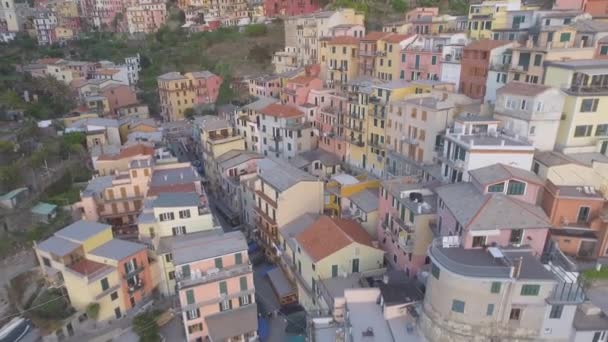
<point>281,175</point>
<point>281,111</point>
<point>396,38</point>
<point>301,80</point>
<point>57,246</point>
<point>486,44</point>
<point>375,35</point>
<point>156,190</point>
<point>523,89</point>
<point>499,173</point>
<point>85,266</point>
<point>328,235</point>
<point>129,152</point>
<point>344,40</point>
<point>117,249</point>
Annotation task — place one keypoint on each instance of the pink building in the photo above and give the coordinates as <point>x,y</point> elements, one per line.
<point>215,284</point>
<point>406,210</point>
<point>146,18</point>
<point>296,91</point>
<point>267,85</point>
<point>273,8</point>
<point>421,12</point>
<point>118,95</point>
<point>500,209</point>
<point>419,63</point>
<point>330,123</point>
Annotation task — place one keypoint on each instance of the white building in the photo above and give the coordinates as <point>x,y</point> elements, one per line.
<point>475,142</point>
<point>530,111</point>
<point>450,63</point>
<point>45,22</point>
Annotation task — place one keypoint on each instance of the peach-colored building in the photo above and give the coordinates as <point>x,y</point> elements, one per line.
<point>111,163</point>
<point>576,214</point>
<point>267,85</point>
<point>500,208</point>
<point>146,17</point>
<point>94,267</point>
<point>118,95</point>
<point>215,284</point>
<point>295,92</point>
<point>368,51</point>
<point>118,199</point>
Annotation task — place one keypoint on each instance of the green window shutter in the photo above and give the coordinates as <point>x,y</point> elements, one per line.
<point>238,258</point>
<point>458,306</point>
<point>495,287</point>
<point>530,290</point>
<point>223,287</point>
<point>190,297</point>
<point>564,37</point>
<point>105,284</point>
<point>219,263</point>
<point>435,271</point>
<point>243,283</point>
<point>186,270</point>
<point>334,270</point>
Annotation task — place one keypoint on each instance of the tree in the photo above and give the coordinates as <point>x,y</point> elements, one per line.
<point>255,30</point>
<point>11,176</point>
<point>146,327</point>
<point>260,54</point>
<point>189,113</point>
<point>93,311</point>
<point>399,5</point>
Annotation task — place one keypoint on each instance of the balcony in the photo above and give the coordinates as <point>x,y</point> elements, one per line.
<point>381,53</point>
<point>582,90</point>
<point>409,140</point>
<point>405,226</point>
<point>374,99</point>
<point>136,286</point>
<point>263,215</point>
<point>266,198</point>
<point>198,277</point>
<point>277,138</point>
<point>378,112</point>
<point>276,149</point>
<point>356,142</point>
<point>133,272</point>
<point>406,244</point>
<point>367,53</point>
<point>376,144</point>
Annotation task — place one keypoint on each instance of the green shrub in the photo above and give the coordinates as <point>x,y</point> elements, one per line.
<point>255,30</point>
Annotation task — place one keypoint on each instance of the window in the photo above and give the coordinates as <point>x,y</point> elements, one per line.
<point>334,271</point>
<point>433,60</point>
<point>180,230</point>
<point>114,295</point>
<point>495,288</point>
<point>195,328</point>
<point>184,214</point>
<point>171,275</point>
<point>604,50</point>
<point>532,130</point>
<point>589,105</point>
<point>538,59</point>
<point>515,314</point>
<point>190,297</point>
<point>601,130</point>
<point>435,271</point>
<point>556,311</point>
<point>479,241</point>
<point>582,131</point>
<point>530,290</point>
<point>219,263</point>
<point>598,336</point>
<point>46,262</point>
<point>244,300</point>
<point>500,187</point>
<point>583,215</point>
<point>168,257</point>
<point>564,37</point>
<point>516,188</point>
<point>166,217</point>
<point>458,306</point>
<point>243,283</point>
<point>238,258</point>
<point>516,236</point>
<point>225,305</point>
<point>193,314</point>
<point>105,284</point>
<point>523,105</point>
<point>490,310</point>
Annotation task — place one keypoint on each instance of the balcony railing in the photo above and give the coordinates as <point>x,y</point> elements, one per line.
<point>357,142</point>
<point>197,277</point>
<point>133,272</point>
<point>585,89</point>
<point>376,143</point>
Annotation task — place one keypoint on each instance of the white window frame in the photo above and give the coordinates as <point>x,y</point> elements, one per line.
<point>225,305</point>
<point>184,214</point>
<point>245,300</point>
<point>178,230</point>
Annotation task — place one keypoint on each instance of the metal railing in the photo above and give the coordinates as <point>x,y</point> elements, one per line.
<point>211,276</point>
<point>436,251</point>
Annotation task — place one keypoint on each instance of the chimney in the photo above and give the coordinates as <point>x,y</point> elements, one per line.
<point>516,269</point>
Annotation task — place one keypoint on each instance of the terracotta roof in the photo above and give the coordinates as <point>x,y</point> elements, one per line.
<point>186,187</point>
<point>344,40</point>
<point>281,110</point>
<point>108,72</point>
<point>301,80</point>
<point>86,266</point>
<point>328,235</point>
<point>397,38</point>
<point>375,35</point>
<point>524,89</point>
<point>47,61</point>
<point>128,152</point>
<point>487,44</point>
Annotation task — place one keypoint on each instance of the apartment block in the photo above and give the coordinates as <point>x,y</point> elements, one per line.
<point>45,23</point>
<point>530,111</point>
<point>100,132</point>
<point>339,59</point>
<point>502,209</point>
<point>309,260</point>
<point>389,55</point>
<point>112,163</point>
<point>146,17</point>
<point>247,122</point>
<point>583,128</point>
<point>94,267</point>
<point>576,215</point>
<point>274,8</point>
<point>215,287</point>
<point>282,193</point>
<point>576,169</point>
<point>179,92</point>
<point>368,48</point>
<point>266,85</point>
<point>475,142</point>
<point>497,293</point>
<point>296,90</point>
<point>489,15</point>
<point>283,131</point>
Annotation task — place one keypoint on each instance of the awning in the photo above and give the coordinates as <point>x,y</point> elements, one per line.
<point>282,286</point>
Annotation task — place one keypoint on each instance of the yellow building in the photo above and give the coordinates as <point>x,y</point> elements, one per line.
<point>96,268</point>
<point>339,59</point>
<point>179,92</point>
<point>489,15</point>
<point>584,124</point>
<point>310,261</point>
<point>389,56</point>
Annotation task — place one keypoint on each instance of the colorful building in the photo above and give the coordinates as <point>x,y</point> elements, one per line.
<point>146,17</point>
<point>179,92</point>
<point>275,8</point>
<point>96,268</point>
<point>339,59</point>
<point>389,55</point>
<point>368,48</point>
